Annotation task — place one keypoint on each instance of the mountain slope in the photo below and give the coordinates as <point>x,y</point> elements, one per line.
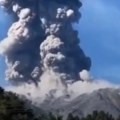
<point>107,100</point>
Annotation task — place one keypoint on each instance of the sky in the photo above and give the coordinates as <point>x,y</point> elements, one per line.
<point>99,29</point>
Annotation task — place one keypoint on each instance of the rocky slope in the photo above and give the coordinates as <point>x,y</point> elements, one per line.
<point>107,100</point>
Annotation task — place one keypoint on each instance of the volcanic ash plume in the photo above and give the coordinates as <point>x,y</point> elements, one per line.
<point>42,47</point>
<point>42,40</point>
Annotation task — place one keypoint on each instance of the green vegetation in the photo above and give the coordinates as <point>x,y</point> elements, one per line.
<point>13,108</point>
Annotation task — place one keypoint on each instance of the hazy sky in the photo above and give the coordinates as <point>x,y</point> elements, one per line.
<point>99,31</point>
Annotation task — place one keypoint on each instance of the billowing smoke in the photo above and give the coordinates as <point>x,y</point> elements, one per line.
<point>43,49</point>
<point>38,94</point>
<point>42,40</point>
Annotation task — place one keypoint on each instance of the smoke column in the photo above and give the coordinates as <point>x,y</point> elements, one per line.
<point>43,41</point>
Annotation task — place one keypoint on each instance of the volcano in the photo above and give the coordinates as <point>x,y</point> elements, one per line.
<point>45,62</point>
<point>107,100</point>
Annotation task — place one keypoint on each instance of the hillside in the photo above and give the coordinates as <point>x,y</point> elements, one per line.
<point>86,105</point>
<point>107,100</point>
<point>13,108</point>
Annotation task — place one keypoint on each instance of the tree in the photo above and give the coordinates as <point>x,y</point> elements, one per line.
<point>98,116</point>
<point>70,117</point>
<point>13,108</point>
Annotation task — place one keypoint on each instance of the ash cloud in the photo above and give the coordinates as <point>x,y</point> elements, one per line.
<point>43,48</point>
<point>42,40</point>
